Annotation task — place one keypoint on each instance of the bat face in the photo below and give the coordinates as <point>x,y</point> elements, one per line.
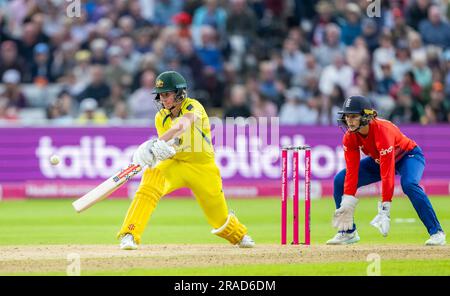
<point>103,190</point>
<point>106,188</point>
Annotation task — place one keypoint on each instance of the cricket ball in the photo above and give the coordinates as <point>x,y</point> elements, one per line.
<point>54,159</point>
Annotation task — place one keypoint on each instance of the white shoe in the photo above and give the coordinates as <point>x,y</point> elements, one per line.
<point>246,242</point>
<point>344,238</point>
<point>127,242</point>
<point>382,220</point>
<point>437,239</point>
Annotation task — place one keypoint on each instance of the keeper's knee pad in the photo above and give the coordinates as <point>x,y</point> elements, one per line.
<point>147,196</point>
<point>233,230</point>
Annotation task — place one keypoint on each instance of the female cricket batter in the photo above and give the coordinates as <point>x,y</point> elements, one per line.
<point>389,152</point>
<point>191,166</point>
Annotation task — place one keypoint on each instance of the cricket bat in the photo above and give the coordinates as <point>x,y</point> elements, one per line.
<point>113,183</point>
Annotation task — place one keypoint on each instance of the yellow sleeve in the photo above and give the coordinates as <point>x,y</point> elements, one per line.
<point>159,118</point>
<point>193,106</point>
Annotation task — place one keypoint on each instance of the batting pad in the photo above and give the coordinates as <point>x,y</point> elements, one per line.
<point>233,231</point>
<point>144,203</point>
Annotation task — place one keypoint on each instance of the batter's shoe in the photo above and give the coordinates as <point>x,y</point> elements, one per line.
<point>127,242</point>
<point>246,242</point>
<point>344,238</point>
<point>437,239</point>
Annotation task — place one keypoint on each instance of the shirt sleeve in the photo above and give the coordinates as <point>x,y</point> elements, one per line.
<point>159,117</point>
<point>385,142</point>
<point>352,158</point>
<point>194,107</point>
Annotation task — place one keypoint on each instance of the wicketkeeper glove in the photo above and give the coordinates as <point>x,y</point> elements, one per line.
<point>343,217</point>
<point>382,220</point>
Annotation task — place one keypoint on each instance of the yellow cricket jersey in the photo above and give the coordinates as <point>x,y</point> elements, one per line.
<point>196,145</point>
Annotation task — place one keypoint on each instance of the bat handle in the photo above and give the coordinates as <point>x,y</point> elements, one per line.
<point>174,142</point>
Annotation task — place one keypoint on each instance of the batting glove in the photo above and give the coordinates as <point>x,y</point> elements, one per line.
<point>382,220</point>
<point>161,150</point>
<point>143,155</point>
<point>343,217</point>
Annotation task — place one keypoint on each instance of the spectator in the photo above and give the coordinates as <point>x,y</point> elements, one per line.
<point>28,41</point>
<point>41,73</point>
<point>241,27</point>
<point>12,91</point>
<point>416,12</point>
<point>131,57</point>
<point>434,30</point>
<point>293,58</point>
<point>126,25</point>
<point>312,86</point>
<point>183,21</point>
<point>142,103</point>
<point>211,15</point>
<point>63,61</point>
<point>105,30</point>
<point>238,103</point>
<point>98,49</point>
<point>351,27</point>
<point>337,98</point>
<point>400,29</point>
<point>190,60</point>
<point>241,21</point>
<point>370,33</point>
<point>387,81</point>
<point>9,58</point>
<point>136,13</point>
<point>81,71</point>
<point>90,114</point>
<point>7,113</point>
<point>97,89</point>
<point>268,86</point>
<point>322,20</point>
<point>407,110</point>
<point>337,73</point>
<point>165,10</point>
<point>385,54</point>
<point>438,110</point>
<point>446,59</point>
<point>143,38</point>
<point>407,86</point>
<point>261,106</point>
<point>331,47</point>
<point>421,71</point>
<point>209,52</point>
<point>114,71</point>
<point>415,44</point>
<point>120,114</point>
<point>402,63</point>
<point>117,96</point>
<point>358,55</point>
<point>298,109</point>
<point>312,68</point>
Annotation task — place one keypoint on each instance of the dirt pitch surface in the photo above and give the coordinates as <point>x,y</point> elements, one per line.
<point>54,258</point>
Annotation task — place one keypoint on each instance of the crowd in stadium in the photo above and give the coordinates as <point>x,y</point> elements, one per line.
<point>296,59</point>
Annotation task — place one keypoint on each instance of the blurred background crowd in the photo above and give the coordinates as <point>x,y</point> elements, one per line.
<point>295,59</point>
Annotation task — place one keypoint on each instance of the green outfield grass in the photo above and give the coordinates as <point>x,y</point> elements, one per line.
<point>181,221</point>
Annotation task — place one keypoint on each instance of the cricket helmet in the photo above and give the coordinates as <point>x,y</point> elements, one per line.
<point>169,81</point>
<point>357,105</point>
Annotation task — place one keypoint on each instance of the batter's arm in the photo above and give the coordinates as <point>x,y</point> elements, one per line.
<point>180,127</point>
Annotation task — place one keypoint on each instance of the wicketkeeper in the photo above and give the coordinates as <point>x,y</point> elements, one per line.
<point>191,165</point>
<point>389,153</point>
